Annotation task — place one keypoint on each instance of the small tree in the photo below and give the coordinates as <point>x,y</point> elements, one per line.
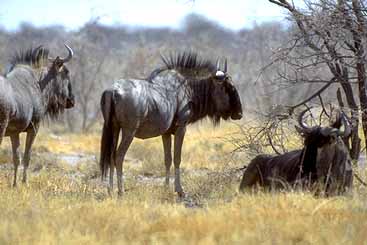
<point>89,75</point>
<point>328,48</point>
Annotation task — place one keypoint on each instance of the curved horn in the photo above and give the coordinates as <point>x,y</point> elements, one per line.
<point>347,128</point>
<point>301,122</point>
<point>71,53</point>
<point>225,65</point>
<point>217,64</point>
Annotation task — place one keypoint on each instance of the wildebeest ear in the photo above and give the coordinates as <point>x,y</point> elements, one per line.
<point>220,75</point>
<point>299,129</point>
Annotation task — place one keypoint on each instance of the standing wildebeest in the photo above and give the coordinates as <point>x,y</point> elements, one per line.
<point>184,91</point>
<point>34,87</point>
<point>324,160</point>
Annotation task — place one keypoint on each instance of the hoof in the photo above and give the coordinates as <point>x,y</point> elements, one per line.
<point>120,196</point>
<point>120,193</point>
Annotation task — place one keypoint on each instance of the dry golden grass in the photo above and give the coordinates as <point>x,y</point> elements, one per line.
<point>65,204</point>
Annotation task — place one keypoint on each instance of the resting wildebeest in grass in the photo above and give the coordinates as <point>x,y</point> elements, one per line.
<point>35,86</point>
<point>184,91</point>
<point>324,160</point>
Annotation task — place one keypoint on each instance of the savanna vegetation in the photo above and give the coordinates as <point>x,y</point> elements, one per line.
<point>65,201</point>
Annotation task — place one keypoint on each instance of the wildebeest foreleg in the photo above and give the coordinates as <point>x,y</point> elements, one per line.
<point>3,125</point>
<point>167,142</point>
<point>251,177</point>
<point>15,143</point>
<point>179,137</point>
<point>127,138</point>
<point>112,171</point>
<point>31,135</point>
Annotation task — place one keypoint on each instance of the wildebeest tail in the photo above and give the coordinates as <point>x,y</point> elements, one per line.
<point>107,132</point>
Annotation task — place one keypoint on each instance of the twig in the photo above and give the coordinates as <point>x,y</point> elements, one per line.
<point>360,180</point>
<point>272,145</point>
<point>317,93</point>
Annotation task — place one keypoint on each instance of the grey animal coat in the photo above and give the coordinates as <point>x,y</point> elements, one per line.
<point>164,104</point>
<point>34,87</point>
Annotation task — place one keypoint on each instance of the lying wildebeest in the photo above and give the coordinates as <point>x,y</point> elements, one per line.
<point>323,160</point>
<point>184,91</point>
<point>34,87</point>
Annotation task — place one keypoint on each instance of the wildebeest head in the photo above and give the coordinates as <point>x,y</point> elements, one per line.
<point>323,164</point>
<point>225,96</point>
<point>60,90</point>
<point>321,136</point>
<point>326,156</point>
<point>212,91</point>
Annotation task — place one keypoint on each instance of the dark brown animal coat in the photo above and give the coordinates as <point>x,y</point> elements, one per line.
<point>323,160</point>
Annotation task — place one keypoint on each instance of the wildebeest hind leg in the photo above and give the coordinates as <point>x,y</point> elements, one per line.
<point>31,135</point>
<point>15,143</point>
<point>126,139</point>
<point>167,142</point>
<point>115,137</point>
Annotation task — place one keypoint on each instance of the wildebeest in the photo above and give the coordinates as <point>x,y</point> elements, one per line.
<point>323,160</point>
<point>34,87</point>
<point>185,90</point>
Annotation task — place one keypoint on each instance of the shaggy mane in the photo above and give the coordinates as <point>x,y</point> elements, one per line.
<point>37,58</point>
<point>188,64</point>
<point>34,57</point>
